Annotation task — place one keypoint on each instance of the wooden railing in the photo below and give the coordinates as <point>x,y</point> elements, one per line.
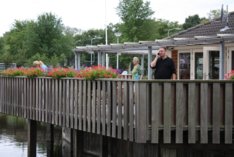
<point>138,111</point>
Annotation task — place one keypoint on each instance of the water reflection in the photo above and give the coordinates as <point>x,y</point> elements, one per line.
<point>13,138</point>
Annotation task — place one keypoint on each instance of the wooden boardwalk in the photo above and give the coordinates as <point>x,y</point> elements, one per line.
<point>138,111</point>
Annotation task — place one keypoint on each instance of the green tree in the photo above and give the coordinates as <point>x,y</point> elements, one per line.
<point>191,21</point>
<point>46,37</point>
<point>135,15</point>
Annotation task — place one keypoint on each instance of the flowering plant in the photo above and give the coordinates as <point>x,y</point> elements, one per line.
<point>95,72</point>
<point>62,72</point>
<point>29,72</point>
<point>229,75</point>
<point>33,72</point>
<point>13,72</point>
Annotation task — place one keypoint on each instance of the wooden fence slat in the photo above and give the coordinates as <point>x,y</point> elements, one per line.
<point>216,115</point>
<point>71,109</point>
<point>53,107</point>
<point>141,112</point>
<point>64,103</point>
<point>84,105</point>
<point>228,113</point>
<point>39,99</point>
<point>98,107</point>
<point>204,113</point>
<point>103,108</point>
<point>25,98</point>
<point>89,107</point>
<point>192,101</point>
<point>67,103</point>
<point>131,111</point>
<point>76,104</point>
<point>180,112</point>
<point>156,102</point>
<point>108,109</point>
<point>46,104</point>
<point>114,106</point>
<point>80,104</point>
<point>56,103</point>
<point>94,107</point>
<point>167,102</point>
<point>60,90</point>
<point>119,109</point>
<point>126,110</point>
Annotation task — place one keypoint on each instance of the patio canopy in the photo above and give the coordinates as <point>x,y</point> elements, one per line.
<point>146,47</point>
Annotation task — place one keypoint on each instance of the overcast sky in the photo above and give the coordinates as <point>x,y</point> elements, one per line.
<point>87,14</point>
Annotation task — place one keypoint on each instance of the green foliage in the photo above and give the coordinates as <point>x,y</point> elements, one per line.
<point>38,40</point>
<point>191,21</point>
<point>134,14</point>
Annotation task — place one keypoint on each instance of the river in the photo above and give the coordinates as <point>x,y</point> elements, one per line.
<point>13,138</point>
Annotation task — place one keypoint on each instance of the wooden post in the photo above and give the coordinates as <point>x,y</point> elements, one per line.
<point>50,140</point>
<point>32,138</point>
<point>67,142</point>
<point>78,143</point>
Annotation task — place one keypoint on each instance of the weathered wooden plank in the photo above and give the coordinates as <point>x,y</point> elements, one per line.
<point>180,112</point>
<point>94,107</point>
<point>156,102</point>
<point>60,90</point>
<point>43,99</point>
<point>1,93</point>
<point>103,107</point>
<point>89,106</point>
<point>75,104</point>
<point>141,112</point>
<point>114,111</point>
<point>25,98</point>
<point>167,102</point>
<point>67,104</point>
<point>56,102</point>
<point>84,105</point>
<point>192,112</point>
<point>204,113</point>
<point>216,116</point>
<point>46,100</point>
<point>98,107</point>
<point>53,93</point>
<point>80,104</point>
<point>228,113</point>
<point>126,110</point>
<point>39,100</point>
<point>119,109</point>
<point>34,99</point>
<point>36,96</point>
<point>64,103</point>
<point>131,111</point>
<point>108,108</point>
<point>72,107</point>
<point>49,100</point>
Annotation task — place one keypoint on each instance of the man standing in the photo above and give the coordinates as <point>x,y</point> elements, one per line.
<point>163,65</point>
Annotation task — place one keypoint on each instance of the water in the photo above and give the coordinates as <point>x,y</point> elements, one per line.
<point>13,138</point>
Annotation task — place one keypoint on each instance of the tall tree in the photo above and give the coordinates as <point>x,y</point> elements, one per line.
<point>135,15</point>
<point>43,39</point>
<point>191,21</point>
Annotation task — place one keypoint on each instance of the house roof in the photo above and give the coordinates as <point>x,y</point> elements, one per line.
<point>211,28</point>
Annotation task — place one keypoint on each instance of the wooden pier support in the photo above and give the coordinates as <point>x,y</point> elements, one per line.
<point>50,140</point>
<point>32,138</point>
<point>67,142</point>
